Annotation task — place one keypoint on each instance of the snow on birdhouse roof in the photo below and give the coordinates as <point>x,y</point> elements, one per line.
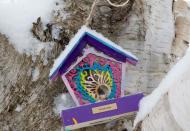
<point>99,42</point>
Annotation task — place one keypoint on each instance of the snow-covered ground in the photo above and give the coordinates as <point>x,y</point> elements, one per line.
<point>16,18</point>
<point>176,84</point>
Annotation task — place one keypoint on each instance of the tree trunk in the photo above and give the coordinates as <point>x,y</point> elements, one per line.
<point>171,113</point>
<point>146,28</point>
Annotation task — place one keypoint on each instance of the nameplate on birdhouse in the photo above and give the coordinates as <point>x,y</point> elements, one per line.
<point>104,108</point>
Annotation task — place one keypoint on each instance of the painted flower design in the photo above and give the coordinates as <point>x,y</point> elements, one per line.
<point>96,83</point>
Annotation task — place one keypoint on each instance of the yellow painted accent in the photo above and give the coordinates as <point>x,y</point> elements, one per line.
<point>74,121</point>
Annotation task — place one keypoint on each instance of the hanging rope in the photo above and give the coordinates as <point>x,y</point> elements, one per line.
<point>89,19</point>
<point>115,5</point>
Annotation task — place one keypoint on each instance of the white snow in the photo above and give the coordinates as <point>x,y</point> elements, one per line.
<point>35,74</point>
<point>62,102</point>
<point>188,2</point>
<point>173,79</point>
<point>18,108</point>
<point>128,125</point>
<point>55,32</point>
<point>179,95</point>
<point>74,42</point>
<point>16,18</point>
<point>179,101</point>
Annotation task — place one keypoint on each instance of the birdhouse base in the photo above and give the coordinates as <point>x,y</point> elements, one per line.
<point>101,112</point>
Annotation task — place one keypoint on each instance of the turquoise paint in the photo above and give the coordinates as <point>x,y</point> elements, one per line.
<point>81,89</point>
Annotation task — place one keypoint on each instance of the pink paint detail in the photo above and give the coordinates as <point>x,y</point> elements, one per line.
<point>67,84</point>
<point>70,76</point>
<point>90,59</point>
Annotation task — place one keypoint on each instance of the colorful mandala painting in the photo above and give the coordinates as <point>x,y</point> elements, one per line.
<point>95,79</point>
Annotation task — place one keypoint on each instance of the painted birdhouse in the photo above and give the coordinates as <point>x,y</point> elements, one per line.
<point>93,68</point>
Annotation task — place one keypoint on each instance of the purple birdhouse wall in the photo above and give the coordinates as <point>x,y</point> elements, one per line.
<point>93,68</point>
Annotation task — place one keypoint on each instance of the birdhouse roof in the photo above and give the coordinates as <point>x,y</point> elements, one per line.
<point>96,40</point>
